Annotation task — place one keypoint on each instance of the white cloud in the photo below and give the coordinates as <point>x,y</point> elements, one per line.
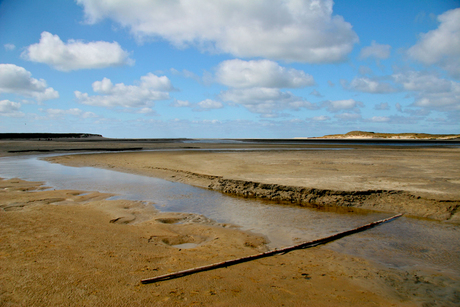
<point>9,47</point>
<point>422,81</point>
<point>449,101</point>
<point>146,111</point>
<point>150,89</point>
<point>158,83</point>
<point>75,55</point>
<point>316,93</point>
<point>430,90</point>
<point>256,86</point>
<point>207,104</point>
<point>180,103</point>
<point>379,119</point>
<point>340,105</point>
<point>291,30</point>
<point>59,113</point>
<point>382,106</point>
<point>265,101</point>
<point>10,108</point>
<point>321,118</point>
<point>262,73</point>
<point>368,85</point>
<point>365,70</point>
<point>187,74</point>
<point>348,116</point>
<point>375,50</point>
<point>210,104</point>
<point>442,45</point>
<point>17,80</point>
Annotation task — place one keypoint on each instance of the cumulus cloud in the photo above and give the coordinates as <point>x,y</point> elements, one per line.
<point>368,85</point>
<point>75,55</point>
<point>187,74</point>
<point>291,30</point>
<point>262,73</point>
<point>257,84</point>
<point>375,50</point>
<point>204,105</point>
<point>365,70</point>
<point>210,104</point>
<point>442,45</point>
<point>150,89</point>
<point>180,103</point>
<point>59,113</point>
<point>379,119</point>
<point>442,101</point>
<point>320,118</point>
<point>316,93</point>
<point>266,101</point>
<point>430,90</point>
<point>348,116</point>
<point>9,47</point>
<point>17,80</point>
<point>10,108</point>
<point>422,81</point>
<point>382,106</point>
<point>146,111</point>
<point>341,105</point>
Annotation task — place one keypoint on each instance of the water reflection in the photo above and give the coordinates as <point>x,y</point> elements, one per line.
<point>403,242</point>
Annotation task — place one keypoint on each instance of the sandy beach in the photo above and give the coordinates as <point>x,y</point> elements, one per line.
<point>62,247</point>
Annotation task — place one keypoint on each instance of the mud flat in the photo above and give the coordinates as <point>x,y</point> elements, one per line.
<point>422,182</point>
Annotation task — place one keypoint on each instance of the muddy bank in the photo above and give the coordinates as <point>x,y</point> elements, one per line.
<point>423,182</point>
<point>62,247</point>
<point>392,201</point>
<point>395,201</point>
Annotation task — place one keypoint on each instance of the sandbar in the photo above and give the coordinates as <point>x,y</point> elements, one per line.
<point>422,182</point>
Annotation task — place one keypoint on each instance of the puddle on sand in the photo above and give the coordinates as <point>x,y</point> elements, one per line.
<point>403,242</point>
<point>186,245</point>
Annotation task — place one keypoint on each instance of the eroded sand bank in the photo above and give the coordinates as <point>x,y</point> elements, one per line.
<point>422,182</point>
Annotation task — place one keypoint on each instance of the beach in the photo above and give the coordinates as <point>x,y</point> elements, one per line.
<point>65,247</point>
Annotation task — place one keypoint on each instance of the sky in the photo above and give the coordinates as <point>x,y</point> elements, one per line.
<point>229,68</point>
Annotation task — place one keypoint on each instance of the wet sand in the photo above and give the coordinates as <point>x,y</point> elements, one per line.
<point>68,248</point>
<point>73,248</point>
<point>422,182</point>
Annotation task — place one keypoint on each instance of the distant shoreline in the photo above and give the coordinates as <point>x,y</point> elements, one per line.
<point>22,136</point>
<point>364,135</point>
<point>352,135</point>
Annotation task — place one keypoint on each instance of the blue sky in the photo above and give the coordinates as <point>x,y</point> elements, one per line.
<point>230,68</point>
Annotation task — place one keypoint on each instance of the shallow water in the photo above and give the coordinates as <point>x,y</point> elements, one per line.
<point>405,242</point>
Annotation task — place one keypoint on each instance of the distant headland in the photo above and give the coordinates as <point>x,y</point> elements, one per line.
<point>400,136</point>
<point>22,136</point>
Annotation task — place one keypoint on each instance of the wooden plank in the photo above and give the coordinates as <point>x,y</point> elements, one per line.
<point>267,254</point>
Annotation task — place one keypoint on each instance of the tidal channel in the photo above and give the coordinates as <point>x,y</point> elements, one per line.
<point>403,243</point>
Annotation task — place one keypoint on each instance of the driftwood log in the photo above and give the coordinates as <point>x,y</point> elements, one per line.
<point>267,254</point>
